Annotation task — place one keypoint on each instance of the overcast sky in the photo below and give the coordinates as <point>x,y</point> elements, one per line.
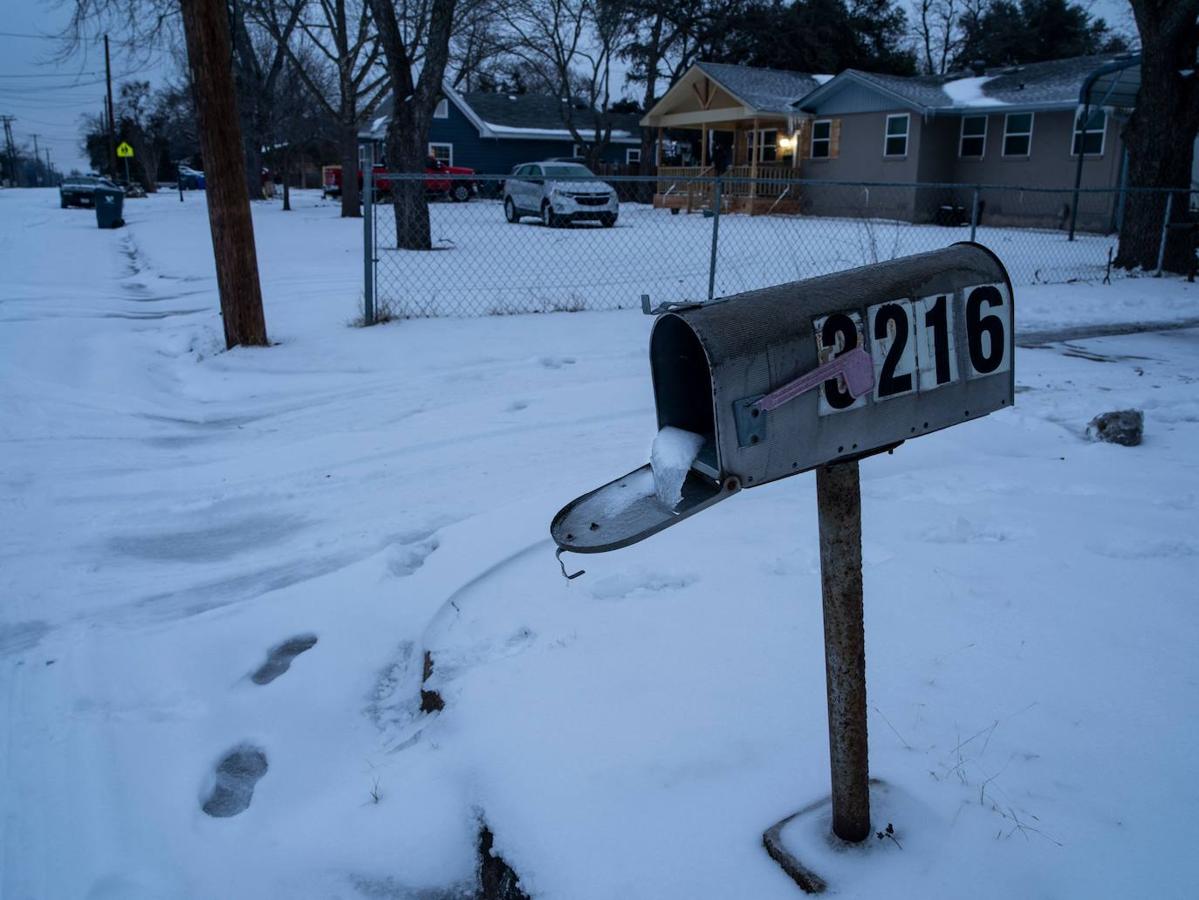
<point>48,97</point>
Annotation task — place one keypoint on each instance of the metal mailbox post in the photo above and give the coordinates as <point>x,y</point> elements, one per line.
<point>818,374</point>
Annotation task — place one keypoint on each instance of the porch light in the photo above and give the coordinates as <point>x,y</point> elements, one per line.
<point>786,143</point>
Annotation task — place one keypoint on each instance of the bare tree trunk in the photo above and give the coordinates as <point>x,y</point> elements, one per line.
<point>412,112</point>
<point>206,28</point>
<point>253,165</point>
<point>350,194</point>
<point>1160,134</point>
<point>653,58</point>
<point>286,179</point>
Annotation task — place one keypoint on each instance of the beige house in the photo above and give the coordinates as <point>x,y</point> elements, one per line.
<point>748,126</point>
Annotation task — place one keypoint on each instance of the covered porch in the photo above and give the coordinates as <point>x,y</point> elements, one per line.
<point>756,151</point>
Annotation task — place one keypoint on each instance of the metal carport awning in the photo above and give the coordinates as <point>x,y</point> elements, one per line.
<point>1115,84</point>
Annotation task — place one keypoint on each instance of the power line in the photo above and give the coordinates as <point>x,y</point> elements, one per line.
<point>44,74</point>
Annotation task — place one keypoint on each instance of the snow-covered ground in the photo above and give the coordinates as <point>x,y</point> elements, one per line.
<point>173,512</point>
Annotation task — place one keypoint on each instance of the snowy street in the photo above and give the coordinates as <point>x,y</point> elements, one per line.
<point>174,512</point>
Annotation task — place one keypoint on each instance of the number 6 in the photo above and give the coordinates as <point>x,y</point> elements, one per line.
<point>988,319</point>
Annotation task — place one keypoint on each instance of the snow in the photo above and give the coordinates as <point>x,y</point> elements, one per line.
<point>173,513</point>
<point>561,133</point>
<point>969,92</point>
<point>673,452</point>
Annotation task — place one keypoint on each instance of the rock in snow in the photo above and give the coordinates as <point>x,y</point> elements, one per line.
<point>1123,426</point>
<point>673,453</point>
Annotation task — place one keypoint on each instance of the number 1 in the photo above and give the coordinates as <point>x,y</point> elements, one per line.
<point>935,345</point>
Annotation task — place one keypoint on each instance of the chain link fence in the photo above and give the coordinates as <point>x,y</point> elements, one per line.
<point>525,247</point>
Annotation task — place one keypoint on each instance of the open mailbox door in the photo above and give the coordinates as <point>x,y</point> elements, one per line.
<point>781,380</point>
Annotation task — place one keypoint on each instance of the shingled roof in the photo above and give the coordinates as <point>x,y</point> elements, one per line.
<point>766,90</point>
<point>1045,84</point>
<point>520,116</point>
<point>541,112</point>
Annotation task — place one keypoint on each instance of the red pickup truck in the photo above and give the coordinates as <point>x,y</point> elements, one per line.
<point>458,189</point>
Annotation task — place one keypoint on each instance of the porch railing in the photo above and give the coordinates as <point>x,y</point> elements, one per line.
<point>691,185</point>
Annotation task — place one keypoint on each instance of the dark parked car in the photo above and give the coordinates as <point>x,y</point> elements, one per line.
<point>79,190</point>
<point>190,179</point>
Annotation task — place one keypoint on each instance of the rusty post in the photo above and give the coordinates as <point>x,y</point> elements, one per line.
<point>839,502</point>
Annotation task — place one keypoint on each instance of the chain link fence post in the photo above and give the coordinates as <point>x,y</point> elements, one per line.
<point>1161,247</point>
<point>368,244</point>
<point>974,215</point>
<point>716,202</point>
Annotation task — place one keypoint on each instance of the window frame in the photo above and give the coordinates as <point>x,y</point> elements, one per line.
<point>1101,131</point>
<point>772,146</point>
<point>628,155</point>
<point>433,144</point>
<point>907,135</point>
<point>962,136</point>
<point>1032,121</point>
<point>442,109</point>
<point>827,140</point>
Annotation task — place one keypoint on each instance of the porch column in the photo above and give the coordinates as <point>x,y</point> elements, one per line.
<point>753,166</point>
<point>658,153</point>
<point>703,144</point>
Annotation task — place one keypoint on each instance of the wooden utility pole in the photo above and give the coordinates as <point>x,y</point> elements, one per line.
<point>112,133</point>
<point>209,57</point>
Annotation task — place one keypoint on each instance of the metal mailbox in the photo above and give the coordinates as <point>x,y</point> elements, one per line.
<point>781,380</point>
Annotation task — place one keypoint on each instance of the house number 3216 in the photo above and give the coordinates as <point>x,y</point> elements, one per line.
<point>913,344</point>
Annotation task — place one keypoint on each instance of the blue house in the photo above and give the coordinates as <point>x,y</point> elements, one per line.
<point>493,132</point>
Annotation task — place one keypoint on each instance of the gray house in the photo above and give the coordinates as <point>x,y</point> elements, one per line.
<point>1020,126</point>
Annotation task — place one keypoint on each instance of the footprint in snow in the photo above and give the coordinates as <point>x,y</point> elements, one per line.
<point>556,362</point>
<point>279,659</point>
<point>236,776</point>
<point>406,557</point>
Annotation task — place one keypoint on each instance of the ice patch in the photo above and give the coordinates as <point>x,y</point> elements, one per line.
<point>673,453</point>
<point>637,486</point>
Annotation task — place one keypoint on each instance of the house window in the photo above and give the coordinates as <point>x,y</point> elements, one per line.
<point>444,153</point>
<point>896,143</point>
<point>770,143</point>
<point>822,138</point>
<point>974,137</point>
<point>1017,134</point>
<point>1090,136</point>
<point>442,110</point>
<point>632,155</point>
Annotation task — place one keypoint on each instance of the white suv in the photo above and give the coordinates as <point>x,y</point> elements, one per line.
<point>559,193</point>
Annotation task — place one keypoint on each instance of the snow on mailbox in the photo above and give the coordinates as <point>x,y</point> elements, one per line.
<point>778,381</point>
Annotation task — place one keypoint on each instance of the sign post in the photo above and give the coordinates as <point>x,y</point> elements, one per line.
<point>125,152</point>
<point>839,505</point>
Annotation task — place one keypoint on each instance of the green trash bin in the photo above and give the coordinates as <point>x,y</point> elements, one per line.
<point>110,203</point>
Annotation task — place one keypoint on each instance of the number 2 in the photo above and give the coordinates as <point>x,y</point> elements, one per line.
<point>891,331</point>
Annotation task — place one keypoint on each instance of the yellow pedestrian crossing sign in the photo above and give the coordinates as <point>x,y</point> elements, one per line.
<point>124,150</point>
